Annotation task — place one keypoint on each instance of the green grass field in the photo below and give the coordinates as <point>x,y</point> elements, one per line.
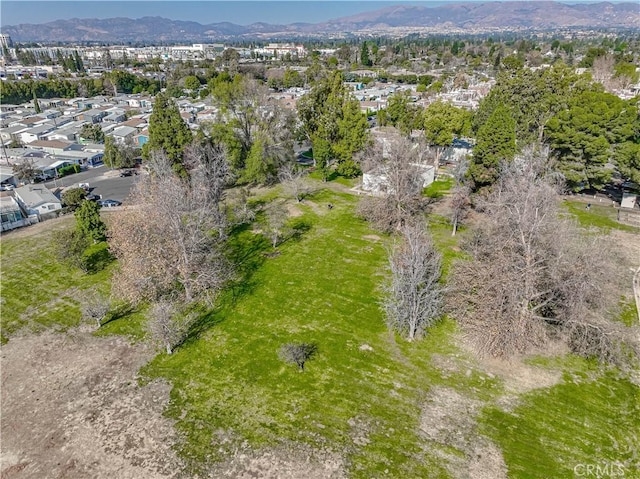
<point>37,290</point>
<point>362,393</point>
<point>592,417</point>
<point>597,216</point>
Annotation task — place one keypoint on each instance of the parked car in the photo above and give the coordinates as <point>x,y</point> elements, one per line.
<point>109,203</point>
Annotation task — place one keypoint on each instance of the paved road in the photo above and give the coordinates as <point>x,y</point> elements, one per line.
<point>102,181</point>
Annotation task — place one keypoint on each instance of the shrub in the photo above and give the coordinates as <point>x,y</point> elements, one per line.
<point>348,169</point>
<point>68,170</point>
<point>297,353</point>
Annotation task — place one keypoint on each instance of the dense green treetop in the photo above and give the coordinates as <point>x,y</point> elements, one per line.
<point>167,130</point>
<point>585,135</point>
<point>331,117</point>
<point>89,222</point>
<point>495,143</point>
<point>444,121</point>
<point>532,97</point>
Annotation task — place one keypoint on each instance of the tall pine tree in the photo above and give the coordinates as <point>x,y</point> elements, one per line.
<point>167,131</point>
<point>496,142</point>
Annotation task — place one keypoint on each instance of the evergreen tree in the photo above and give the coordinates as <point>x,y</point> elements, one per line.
<point>79,65</point>
<point>110,157</point>
<point>364,55</point>
<point>167,131</point>
<point>331,119</point>
<point>256,168</point>
<point>443,122</point>
<point>584,137</point>
<point>36,105</point>
<point>495,142</point>
<point>89,223</point>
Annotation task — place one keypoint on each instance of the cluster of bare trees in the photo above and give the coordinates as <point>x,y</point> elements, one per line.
<point>398,161</point>
<point>413,297</point>
<point>534,276</point>
<point>170,240</point>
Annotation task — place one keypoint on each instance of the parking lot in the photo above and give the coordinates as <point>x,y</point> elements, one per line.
<point>102,181</point>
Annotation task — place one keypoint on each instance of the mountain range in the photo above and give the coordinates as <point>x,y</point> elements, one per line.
<point>401,19</point>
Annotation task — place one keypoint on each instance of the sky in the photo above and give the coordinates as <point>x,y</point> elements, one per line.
<point>240,12</point>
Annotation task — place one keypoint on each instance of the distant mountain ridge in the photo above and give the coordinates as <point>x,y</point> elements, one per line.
<point>538,15</point>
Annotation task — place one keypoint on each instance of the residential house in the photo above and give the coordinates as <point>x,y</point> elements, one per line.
<point>7,176</point>
<point>376,181</point>
<point>116,116</point>
<point>11,216</point>
<point>124,134</point>
<point>65,134</point>
<point>28,121</point>
<point>35,133</point>
<point>37,200</point>
<point>460,148</point>
<point>12,133</point>
<point>137,123</point>
<point>92,116</point>
<point>53,147</point>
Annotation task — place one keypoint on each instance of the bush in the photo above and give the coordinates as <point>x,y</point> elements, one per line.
<point>73,197</point>
<point>297,353</point>
<point>348,169</point>
<point>68,170</point>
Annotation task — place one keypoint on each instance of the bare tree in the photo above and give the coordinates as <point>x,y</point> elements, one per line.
<point>461,195</point>
<point>95,307</point>
<point>25,169</point>
<point>297,353</point>
<point>242,211</point>
<point>414,297</point>
<point>166,325</point>
<point>460,204</point>
<point>293,181</point>
<point>170,240</point>
<point>533,274</point>
<point>400,164</point>
<point>275,228</point>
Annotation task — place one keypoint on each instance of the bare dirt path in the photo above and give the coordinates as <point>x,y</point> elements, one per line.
<point>72,408</point>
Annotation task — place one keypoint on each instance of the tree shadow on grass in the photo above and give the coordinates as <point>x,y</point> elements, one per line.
<point>245,251</point>
<point>119,311</point>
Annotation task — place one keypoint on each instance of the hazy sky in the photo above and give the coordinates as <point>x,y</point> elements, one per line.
<point>240,12</point>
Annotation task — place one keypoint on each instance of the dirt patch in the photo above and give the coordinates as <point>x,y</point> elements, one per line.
<point>372,237</point>
<point>54,224</point>
<point>294,462</point>
<point>448,419</point>
<point>72,408</point>
<point>294,211</point>
<point>316,208</point>
<point>518,377</point>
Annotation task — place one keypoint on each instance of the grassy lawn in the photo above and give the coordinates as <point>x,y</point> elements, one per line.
<point>438,188</point>
<point>361,395</point>
<point>323,289</point>
<point>592,417</point>
<point>598,216</point>
<point>38,290</point>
